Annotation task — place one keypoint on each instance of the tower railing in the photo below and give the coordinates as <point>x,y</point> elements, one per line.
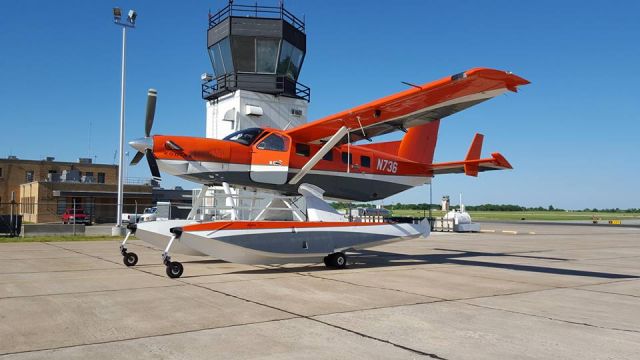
<point>256,11</point>
<point>283,85</point>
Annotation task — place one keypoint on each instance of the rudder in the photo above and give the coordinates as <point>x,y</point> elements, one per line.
<point>419,143</point>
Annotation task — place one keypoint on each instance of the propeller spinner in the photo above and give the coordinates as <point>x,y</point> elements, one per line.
<point>145,145</point>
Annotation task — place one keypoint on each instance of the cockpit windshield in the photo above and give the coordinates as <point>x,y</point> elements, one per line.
<point>244,137</point>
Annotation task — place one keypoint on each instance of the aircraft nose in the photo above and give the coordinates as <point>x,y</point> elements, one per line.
<point>142,144</point>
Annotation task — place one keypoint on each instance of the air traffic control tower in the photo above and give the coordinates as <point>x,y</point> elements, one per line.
<point>257,54</point>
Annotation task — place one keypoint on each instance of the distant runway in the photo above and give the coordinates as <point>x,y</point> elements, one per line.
<point>543,291</point>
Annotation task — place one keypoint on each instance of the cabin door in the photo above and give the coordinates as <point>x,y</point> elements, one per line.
<point>270,159</point>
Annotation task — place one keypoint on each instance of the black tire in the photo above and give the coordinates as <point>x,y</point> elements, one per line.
<point>130,259</point>
<point>174,270</point>
<point>337,260</point>
<point>340,260</point>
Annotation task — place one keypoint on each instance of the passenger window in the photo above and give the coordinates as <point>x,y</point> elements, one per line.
<point>328,156</point>
<point>303,150</point>
<point>273,142</point>
<point>347,158</point>
<point>365,161</point>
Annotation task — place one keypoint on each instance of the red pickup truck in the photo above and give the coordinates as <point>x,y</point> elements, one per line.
<point>76,216</point>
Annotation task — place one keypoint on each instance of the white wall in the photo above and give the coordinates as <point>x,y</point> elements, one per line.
<point>228,113</point>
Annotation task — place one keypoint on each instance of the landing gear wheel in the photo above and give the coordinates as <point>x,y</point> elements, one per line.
<point>174,270</point>
<point>130,259</point>
<point>336,260</point>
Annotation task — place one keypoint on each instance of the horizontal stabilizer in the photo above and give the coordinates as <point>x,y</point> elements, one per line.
<point>471,167</point>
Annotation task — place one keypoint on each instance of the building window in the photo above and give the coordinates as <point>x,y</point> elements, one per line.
<point>303,150</point>
<point>101,178</point>
<point>290,60</point>
<point>365,161</point>
<point>62,206</point>
<point>266,55</point>
<point>347,158</point>
<point>328,156</point>
<point>244,49</point>
<point>0,172</point>
<point>220,55</point>
<point>28,176</point>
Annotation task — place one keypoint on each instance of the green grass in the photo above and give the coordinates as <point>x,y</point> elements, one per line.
<point>528,215</point>
<point>59,238</point>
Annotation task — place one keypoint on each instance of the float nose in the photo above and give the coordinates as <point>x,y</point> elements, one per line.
<point>142,144</point>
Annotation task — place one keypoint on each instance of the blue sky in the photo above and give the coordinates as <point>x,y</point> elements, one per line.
<point>573,135</point>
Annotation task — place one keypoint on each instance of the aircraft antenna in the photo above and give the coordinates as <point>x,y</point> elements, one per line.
<point>410,84</point>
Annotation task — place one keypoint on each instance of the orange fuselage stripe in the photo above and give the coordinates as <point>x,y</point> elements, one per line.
<point>257,225</point>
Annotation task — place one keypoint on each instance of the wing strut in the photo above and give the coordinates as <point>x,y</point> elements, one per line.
<point>319,155</point>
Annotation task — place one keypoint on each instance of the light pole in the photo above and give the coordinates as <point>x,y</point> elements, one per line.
<point>131,23</point>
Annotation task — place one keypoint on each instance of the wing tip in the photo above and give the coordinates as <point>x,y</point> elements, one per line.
<point>501,160</point>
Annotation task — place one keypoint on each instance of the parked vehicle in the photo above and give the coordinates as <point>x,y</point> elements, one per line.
<point>76,216</point>
<point>130,218</point>
<point>150,214</point>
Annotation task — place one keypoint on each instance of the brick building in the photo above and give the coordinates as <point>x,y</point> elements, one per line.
<point>44,189</point>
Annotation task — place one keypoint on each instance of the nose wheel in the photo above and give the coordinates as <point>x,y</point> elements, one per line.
<point>336,260</point>
<point>174,269</point>
<point>129,258</point>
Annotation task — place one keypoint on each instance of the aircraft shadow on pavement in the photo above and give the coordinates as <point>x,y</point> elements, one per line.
<point>375,259</point>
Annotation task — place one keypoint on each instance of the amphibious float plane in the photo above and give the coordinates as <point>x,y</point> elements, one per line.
<point>318,159</point>
<point>322,152</point>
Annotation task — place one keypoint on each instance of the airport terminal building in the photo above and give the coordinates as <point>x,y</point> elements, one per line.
<point>41,190</point>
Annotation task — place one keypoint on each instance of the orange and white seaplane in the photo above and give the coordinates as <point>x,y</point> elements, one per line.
<point>323,156</point>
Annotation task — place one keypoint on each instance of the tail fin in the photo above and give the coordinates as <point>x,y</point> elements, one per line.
<point>419,143</point>
<point>470,168</point>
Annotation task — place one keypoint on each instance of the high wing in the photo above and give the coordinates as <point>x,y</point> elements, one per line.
<point>412,107</point>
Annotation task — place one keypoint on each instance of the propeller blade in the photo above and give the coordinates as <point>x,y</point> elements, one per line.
<point>152,96</point>
<point>153,165</point>
<point>137,158</point>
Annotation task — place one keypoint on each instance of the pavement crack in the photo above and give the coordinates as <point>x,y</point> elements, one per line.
<point>549,318</point>
<point>606,292</point>
<point>81,253</point>
<point>311,318</point>
<point>368,286</point>
<point>140,337</point>
<point>88,292</point>
<point>415,351</point>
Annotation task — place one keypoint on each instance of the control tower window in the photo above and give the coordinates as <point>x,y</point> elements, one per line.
<point>290,60</point>
<point>266,55</point>
<point>244,137</point>
<point>221,59</point>
<point>244,50</point>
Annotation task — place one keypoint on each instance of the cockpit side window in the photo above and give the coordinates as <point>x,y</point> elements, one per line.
<point>274,142</point>
<point>244,137</point>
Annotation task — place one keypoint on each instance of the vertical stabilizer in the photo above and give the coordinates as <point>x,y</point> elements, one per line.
<point>419,143</point>
<point>471,169</point>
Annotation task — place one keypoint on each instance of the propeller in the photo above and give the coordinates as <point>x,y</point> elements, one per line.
<point>145,145</point>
